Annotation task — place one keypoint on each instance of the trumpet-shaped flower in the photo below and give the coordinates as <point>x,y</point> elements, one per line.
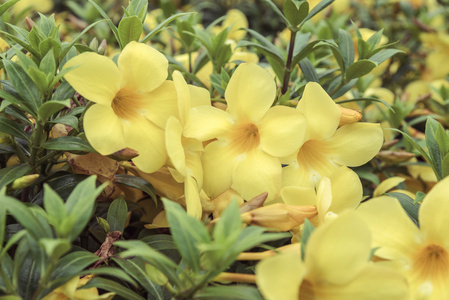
<point>69,291</point>
<point>326,146</point>
<point>248,137</point>
<point>423,252</point>
<point>133,101</point>
<point>336,266</point>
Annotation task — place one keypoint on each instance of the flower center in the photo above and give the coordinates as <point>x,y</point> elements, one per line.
<point>432,263</point>
<point>126,104</point>
<point>245,137</point>
<point>316,157</point>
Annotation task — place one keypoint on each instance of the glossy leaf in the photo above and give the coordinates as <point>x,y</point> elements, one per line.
<point>50,107</point>
<point>138,183</point>
<point>360,68</point>
<point>10,127</point>
<point>11,173</point>
<point>117,214</point>
<point>68,143</point>
<point>129,29</point>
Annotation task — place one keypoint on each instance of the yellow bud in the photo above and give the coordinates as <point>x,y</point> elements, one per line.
<point>348,116</point>
<point>280,216</point>
<point>24,181</point>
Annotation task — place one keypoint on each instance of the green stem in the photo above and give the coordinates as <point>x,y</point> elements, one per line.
<point>35,143</point>
<point>288,66</point>
<point>46,157</point>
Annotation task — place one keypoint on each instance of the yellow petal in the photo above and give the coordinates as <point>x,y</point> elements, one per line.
<point>199,96</point>
<point>338,250</point>
<point>193,160</point>
<point>296,175</point>
<point>282,131</point>
<point>257,173</point>
<point>142,67</point>
<point>387,185</point>
<point>218,164</point>
<point>250,92</point>
<point>183,92</point>
<point>193,202</point>
<point>323,197</point>
<point>280,276</point>
<point>161,103</point>
<point>433,214</point>
<point>373,282</point>
<point>96,78</point>
<point>353,145</point>
<point>295,195</point>
<point>320,111</point>
<point>392,229</point>
<point>347,190</point>
<point>237,20</point>
<point>104,130</point>
<point>175,150</point>
<point>148,140</point>
<point>207,122</point>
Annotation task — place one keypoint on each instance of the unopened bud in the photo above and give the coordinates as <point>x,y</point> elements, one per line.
<point>280,216</point>
<point>24,181</point>
<point>394,156</point>
<point>29,23</point>
<point>94,44</point>
<point>124,154</point>
<point>348,116</point>
<point>102,48</point>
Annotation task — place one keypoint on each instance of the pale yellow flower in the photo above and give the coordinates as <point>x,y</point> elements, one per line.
<point>250,136</point>
<point>423,251</point>
<point>336,266</point>
<point>42,6</point>
<point>327,147</point>
<point>132,102</point>
<point>69,291</point>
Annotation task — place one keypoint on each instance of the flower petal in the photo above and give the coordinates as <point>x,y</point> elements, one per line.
<point>193,202</point>
<point>382,214</point>
<point>104,130</point>
<point>250,92</point>
<point>338,250</point>
<point>296,175</point>
<point>183,93</point>
<point>353,145</point>
<point>282,131</point>
<point>256,173</point>
<point>142,67</point>
<point>161,103</point>
<point>207,122</point>
<point>218,164</point>
<point>387,185</point>
<point>295,195</point>
<point>280,276</point>
<point>199,96</point>
<point>433,214</point>
<point>320,111</point>
<point>173,143</point>
<point>347,190</point>
<point>96,78</point>
<point>148,139</point>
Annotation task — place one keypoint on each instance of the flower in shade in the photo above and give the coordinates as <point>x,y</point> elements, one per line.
<point>133,101</point>
<point>326,146</point>
<point>69,291</point>
<point>336,266</point>
<point>423,252</point>
<point>248,138</point>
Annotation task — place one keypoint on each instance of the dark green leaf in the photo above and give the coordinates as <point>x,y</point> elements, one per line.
<point>68,143</point>
<point>360,68</point>
<point>50,107</point>
<point>407,203</point>
<point>308,70</point>
<point>71,121</point>
<point>383,55</point>
<point>319,7</point>
<point>432,145</point>
<point>295,11</point>
<point>112,286</point>
<point>117,214</point>
<point>64,91</point>
<point>11,173</point>
<point>138,183</point>
<point>346,46</point>
<point>54,206</point>
<point>10,127</point>
<point>274,8</point>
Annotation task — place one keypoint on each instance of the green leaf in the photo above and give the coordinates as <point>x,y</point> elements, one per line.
<point>308,70</point>
<point>306,232</point>
<point>64,91</point>
<point>383,55</point>
<point>187,233</point>
<point>67,120</point>
<point>184,27</point>
<point>319,7</point>
<point>71,265</point>
<point>360,68</point>
<point>229,225</point>
<point>442,139</point>
<point>138,183</point>
<point>10,127</point>
<point>23,84</point>
<point>68,143</point>
<point>55,248</point>
<point>48,64</point>
<point>407,203</point>
<point>274,8</point>
<point>265,43</point>
<point>7,5</point>
<point>238,292</point>
<point>112,286</point>
<point>295,11</point>
<point>432,145</point>
<point>346,46</point>
<point>54,206</point>
<point>129,29</point>
<point>22,43</point>
<point>105,16</point>
<point>11,173</point>
<point>445,166</point>
<point>161,26</point>
<point>50,107</point>
<point>117,214</point>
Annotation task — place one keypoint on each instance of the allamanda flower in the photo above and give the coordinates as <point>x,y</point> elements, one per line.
<point>69,291</point>
<point>336,266</point>
<point>422,251</point>
<point>326,146</point>
<point>133,101</point>
<point>249,136</point>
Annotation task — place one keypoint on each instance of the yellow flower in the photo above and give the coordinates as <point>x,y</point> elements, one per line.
<point>422,251</point>
<point>342,190</point>
<point>250,136</point>
<point>326,147</point>
<point>42,6</point>
<point>69,291</point>
<point>336,266</point>
<point>132,102</point>
<point>236,20</point>
<point>185,153</point>
<point>437,66</point>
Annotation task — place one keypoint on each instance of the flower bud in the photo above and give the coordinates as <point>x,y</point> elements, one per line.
<point>348,116</point>
<point>24,181</point>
